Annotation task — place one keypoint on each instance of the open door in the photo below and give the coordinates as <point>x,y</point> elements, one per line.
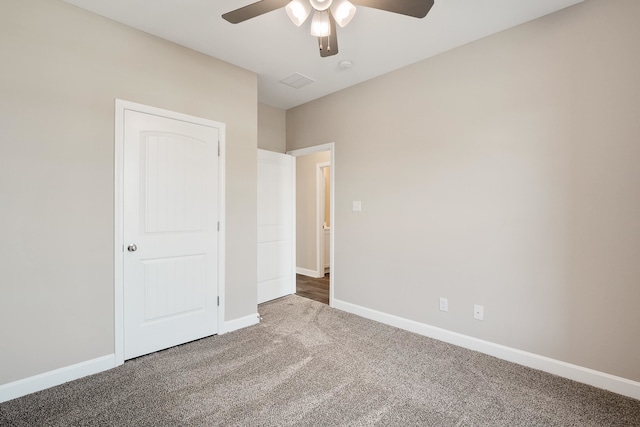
<point>276,225</point>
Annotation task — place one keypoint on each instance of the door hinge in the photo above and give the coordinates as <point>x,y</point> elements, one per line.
<point>218,301</point>
<point>218,148</point>
<point>218,225</point>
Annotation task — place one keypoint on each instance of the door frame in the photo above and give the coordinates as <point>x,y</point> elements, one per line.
<point>118,248</point>
<point>330,146</point>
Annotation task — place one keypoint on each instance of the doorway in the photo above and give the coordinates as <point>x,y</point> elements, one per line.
<point>311,217</point>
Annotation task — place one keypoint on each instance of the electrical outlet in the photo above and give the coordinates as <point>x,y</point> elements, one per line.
<point>478,312</point>
<point>356,206</point>
<point>444,304</point>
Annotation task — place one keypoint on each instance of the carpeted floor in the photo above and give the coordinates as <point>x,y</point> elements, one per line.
<point>307,364</point>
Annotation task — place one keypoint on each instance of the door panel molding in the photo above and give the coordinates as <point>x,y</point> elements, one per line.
<point>121,106</point>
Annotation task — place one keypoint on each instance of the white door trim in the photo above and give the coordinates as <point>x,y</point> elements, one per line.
<point>118,278</point>
<point>330,146</point>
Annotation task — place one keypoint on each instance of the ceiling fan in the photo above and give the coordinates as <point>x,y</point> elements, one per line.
<point>326,13</point>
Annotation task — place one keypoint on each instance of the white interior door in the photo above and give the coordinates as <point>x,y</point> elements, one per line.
<point>170,232</point>
<point>276,257</point>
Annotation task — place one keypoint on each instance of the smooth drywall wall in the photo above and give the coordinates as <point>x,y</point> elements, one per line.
<point>271,128</point>
<point>307,209</point>
<point>502,173</point>
<point>62,69</point>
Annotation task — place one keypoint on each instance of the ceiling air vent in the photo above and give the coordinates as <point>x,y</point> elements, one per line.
<point>297,80</point>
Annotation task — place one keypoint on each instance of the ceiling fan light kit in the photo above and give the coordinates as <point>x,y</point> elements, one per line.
<point>326,13</point>
<point>342,11</point>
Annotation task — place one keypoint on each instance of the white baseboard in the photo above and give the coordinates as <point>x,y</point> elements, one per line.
<point>581,374</point>
<point>56,377</point>
<point>242,322</point>
<point>59,376</point>
<point>307,272</point>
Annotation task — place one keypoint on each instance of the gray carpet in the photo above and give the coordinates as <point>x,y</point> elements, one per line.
<point>307,364</point>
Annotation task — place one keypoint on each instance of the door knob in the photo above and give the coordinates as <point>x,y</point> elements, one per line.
<point>132,248</point>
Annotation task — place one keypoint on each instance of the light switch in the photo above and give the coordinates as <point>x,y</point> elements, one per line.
<point>357,206</point>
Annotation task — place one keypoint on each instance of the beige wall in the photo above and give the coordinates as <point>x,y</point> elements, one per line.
<point>61,70</point>
<point>306,210</point>
<point>503,173</point>
<point>271,128</point>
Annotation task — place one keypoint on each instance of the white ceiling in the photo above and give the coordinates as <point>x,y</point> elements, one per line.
<point>376,42</point>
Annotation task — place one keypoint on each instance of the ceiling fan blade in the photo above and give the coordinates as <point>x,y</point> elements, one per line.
<point>329,45</point>
<point>253,10</point>
<point>415,8</point>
